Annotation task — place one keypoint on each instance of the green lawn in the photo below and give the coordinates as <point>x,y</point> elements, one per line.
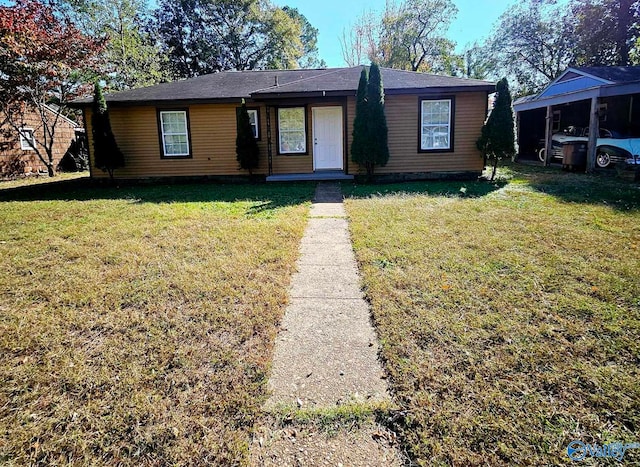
<point>509,313</point>
<point>137,324</point>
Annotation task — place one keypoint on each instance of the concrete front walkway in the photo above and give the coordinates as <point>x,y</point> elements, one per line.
<point>326,352</point>
<point>325,356</point>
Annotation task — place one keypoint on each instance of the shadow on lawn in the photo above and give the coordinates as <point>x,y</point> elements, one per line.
<point>461,189</point>
<point>600,188</point>
<point>266,196</point>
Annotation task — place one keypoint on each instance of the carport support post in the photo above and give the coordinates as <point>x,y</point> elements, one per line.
<point>594,130</point>
<point>517,154</point>
<point>548,133</point>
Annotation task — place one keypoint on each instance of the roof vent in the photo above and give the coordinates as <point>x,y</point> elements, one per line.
<point>276,81</point>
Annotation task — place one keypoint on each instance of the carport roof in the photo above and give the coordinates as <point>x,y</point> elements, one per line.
<point>609,81</point>
<point>613,74</point>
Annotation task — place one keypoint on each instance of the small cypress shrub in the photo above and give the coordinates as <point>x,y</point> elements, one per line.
<point>497,139</point>
<point>247,151</point>
<point>106,153</point>
<point>377,131</point>
<point>370,133</point>
<point>359,143</point>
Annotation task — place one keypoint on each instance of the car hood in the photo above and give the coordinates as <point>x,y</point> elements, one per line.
<point>628,144</point>
<point>632,145</point>
<point>565,139</point>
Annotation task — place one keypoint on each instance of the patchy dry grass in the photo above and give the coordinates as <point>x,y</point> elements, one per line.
<point>509,314</point>
<point>330,419</point>
<point>136,324</point>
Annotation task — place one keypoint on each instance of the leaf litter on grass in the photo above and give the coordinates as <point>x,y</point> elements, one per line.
<point>510,326</point>
<point>140,333</point>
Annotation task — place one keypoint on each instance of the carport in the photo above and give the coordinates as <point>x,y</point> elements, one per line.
<point>581,96</point>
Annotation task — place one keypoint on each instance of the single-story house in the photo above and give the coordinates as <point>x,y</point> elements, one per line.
<point>586,97</point>
<point>303,121</point>
<point>16,146</point>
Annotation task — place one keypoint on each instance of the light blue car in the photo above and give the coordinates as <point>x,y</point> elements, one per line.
<point>611,148</point>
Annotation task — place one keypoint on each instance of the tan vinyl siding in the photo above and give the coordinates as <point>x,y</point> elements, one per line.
<point>213,143</point>
<point>403,121</point>
<point>352,167</point>
<point>212,138</point>
<point>213,135</point>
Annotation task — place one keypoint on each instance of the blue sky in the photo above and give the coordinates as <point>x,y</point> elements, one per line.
<point>474,21</point>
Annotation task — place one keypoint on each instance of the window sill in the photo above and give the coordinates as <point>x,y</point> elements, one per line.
<point>434,151</point>
<point>189,156</point>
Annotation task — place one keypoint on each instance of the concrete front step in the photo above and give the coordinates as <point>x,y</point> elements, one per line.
<point>316,176</point>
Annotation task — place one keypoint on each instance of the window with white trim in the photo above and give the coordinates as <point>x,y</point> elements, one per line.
<point>175,133</point>
<point>253,119</point>
<point>292,137</point>
<point>27,140</point>
<point>435,125</point>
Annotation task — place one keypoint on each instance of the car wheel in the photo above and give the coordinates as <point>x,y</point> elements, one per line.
<point>603,159</point>
<point>541,154</point>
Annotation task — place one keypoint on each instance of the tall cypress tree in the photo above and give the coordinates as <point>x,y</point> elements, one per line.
<point>377,131</point>
<point>359,143</point>
<point>497,140</point>
<point>106,153</point>
<point>247,151</point>
<point>370,133</point>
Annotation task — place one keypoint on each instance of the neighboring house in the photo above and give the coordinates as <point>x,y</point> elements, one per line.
<point>589,98</point>
<point>303,121</point>
<point>16,147</point>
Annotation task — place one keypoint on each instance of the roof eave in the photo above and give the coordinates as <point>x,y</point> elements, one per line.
<point>78,104</point>
<point>165,102</point>
<point>441,90</point>
<point>392,91</point>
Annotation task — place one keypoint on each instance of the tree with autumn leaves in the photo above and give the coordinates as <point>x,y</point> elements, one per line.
<point>44,61</point>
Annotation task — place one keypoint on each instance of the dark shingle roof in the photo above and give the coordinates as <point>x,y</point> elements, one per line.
<point>615,74</point>
<point>224,85</point>
<point>346,79</point>
<point>234,85</point>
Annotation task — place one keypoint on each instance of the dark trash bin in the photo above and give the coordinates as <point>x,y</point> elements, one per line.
<point>574,156</point>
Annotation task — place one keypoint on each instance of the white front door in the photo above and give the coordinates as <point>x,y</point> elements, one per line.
<point>328,151</point>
